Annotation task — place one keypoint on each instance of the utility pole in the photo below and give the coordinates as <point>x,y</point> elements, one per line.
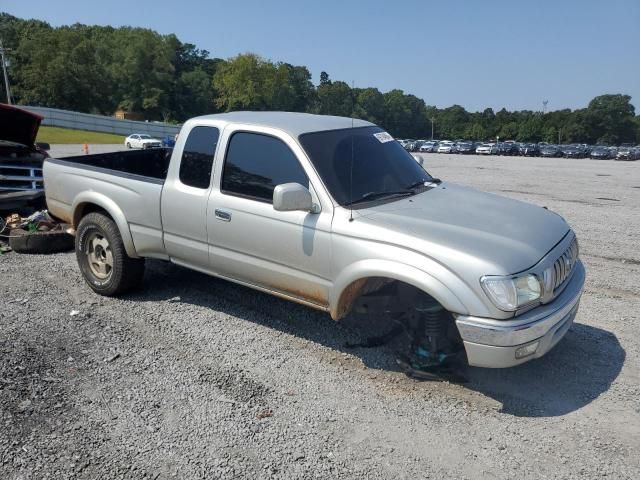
<point>433,122</point>
<point>4,70</point>
<point>544,106</point>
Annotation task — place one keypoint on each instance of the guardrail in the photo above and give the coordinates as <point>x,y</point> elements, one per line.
<point>56,117</point>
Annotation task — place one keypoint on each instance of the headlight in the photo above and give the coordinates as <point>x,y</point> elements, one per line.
<point>512,293</point>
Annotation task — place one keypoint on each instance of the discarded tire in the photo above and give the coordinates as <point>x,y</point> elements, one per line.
<point>22,241</point>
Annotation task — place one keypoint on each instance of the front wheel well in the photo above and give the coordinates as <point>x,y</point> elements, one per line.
<point>419,325</point>
<point>369,285</point>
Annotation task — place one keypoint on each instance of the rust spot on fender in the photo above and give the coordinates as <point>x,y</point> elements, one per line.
<point>347,298</point>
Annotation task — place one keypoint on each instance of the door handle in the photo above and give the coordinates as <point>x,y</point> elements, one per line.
<point>222,215</point>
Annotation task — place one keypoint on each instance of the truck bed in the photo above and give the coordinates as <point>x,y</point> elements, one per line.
<point>127,184</point>
<point>150,163</point>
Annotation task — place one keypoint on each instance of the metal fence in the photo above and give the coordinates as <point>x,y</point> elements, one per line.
<point>99,123</point>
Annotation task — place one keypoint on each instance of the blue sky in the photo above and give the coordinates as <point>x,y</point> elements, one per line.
<point>490,53</point>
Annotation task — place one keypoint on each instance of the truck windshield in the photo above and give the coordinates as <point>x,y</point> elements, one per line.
<point>381,169</point>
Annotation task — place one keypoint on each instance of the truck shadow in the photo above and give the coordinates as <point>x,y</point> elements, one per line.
<point>576,372</point>
<point>580,369</point>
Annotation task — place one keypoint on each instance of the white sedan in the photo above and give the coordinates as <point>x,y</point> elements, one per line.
<point>142,140</point>
<point>487,149</point>
<point>446,147</point>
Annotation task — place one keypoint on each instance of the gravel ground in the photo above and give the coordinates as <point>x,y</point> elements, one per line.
<point>194,377</point>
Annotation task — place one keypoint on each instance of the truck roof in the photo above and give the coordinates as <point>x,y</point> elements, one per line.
<point>293,123</point>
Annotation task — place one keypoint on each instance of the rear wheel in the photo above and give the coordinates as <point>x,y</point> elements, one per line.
<point>128,145</point>
<point>102,258</point>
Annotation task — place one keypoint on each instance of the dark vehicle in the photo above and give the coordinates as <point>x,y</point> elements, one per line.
<point>572,151</point>
<point>529,150</point>
<point>550,151</point>
<point>417,145</point>
<point>628,153</point>
<point>466,147</point>
<point>508,148</point>
<point>169,141</point>
<point>20,159</point>
<point>601,153</point>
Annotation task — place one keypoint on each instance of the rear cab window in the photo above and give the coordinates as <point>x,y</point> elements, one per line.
<point>197,156</point>
<point>256,163</point>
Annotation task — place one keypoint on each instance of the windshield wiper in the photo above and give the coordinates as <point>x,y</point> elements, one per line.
<point>381,195</point>
<point>421,183</point>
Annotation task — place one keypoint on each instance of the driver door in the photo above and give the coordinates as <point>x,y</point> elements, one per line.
<point>283,252</point>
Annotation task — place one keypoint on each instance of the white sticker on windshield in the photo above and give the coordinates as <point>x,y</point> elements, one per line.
<point>383,137</point>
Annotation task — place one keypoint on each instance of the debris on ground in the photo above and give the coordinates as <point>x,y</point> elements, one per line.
<point>37,233</point>
<point>266,413</point>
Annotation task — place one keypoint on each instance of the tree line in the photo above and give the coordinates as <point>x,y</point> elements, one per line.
<point>98,69</point>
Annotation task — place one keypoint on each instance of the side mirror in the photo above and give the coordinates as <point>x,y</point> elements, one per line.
<point>43,146</point>
<point>289,197</point>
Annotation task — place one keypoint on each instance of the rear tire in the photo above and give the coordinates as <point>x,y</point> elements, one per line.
<point>102,258</point>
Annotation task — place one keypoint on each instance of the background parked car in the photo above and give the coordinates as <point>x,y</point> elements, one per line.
<point>508,148</point>
<point>465,147</point>
<point>487,149</point>
<point>409,145</point>
<point>572,151</point>
<point>417,145</point>
<point>550,151</point>
<point>429,146</point>
<point>169,141</point>
<point>142,140</point>
<point>20,159</point>
<point>529,150</point>
<point>447,146</point>
<point>626,153</point>
<point>601,153</point>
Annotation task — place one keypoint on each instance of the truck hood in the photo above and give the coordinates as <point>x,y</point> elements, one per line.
<point>18,126</point>
<point>461,225</point>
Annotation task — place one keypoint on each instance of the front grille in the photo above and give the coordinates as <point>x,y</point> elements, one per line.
<point>563,266</point>
<point>20,178</point>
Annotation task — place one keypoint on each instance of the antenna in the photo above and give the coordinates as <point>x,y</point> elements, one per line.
<point>351,166</point>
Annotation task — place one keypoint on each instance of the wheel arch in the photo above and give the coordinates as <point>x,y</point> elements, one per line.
<point>88,202</point>
<point>352,281</point>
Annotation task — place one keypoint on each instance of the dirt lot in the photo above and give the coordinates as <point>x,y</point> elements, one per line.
<point>194,377</point>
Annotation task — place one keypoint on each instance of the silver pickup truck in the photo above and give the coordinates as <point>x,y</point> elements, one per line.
<point>332,213</point>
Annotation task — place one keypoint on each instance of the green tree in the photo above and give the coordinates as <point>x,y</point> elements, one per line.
<point>611,119</point>
<point>324,78</point>
<point>475,131</point>
<point>509,131</point>
<point>240,83</point>
<point>531,130</point>
<point>453,122</point>
<point>335,99</point>
<point>370,105</point>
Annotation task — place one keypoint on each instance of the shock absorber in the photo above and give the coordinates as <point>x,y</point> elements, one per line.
<point>432,322</point>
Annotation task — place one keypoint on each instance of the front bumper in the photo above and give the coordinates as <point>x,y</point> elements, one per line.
<point>493,343</point>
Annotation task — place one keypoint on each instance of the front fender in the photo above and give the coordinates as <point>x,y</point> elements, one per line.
<point>339,296</point>
<point>112,208</point>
